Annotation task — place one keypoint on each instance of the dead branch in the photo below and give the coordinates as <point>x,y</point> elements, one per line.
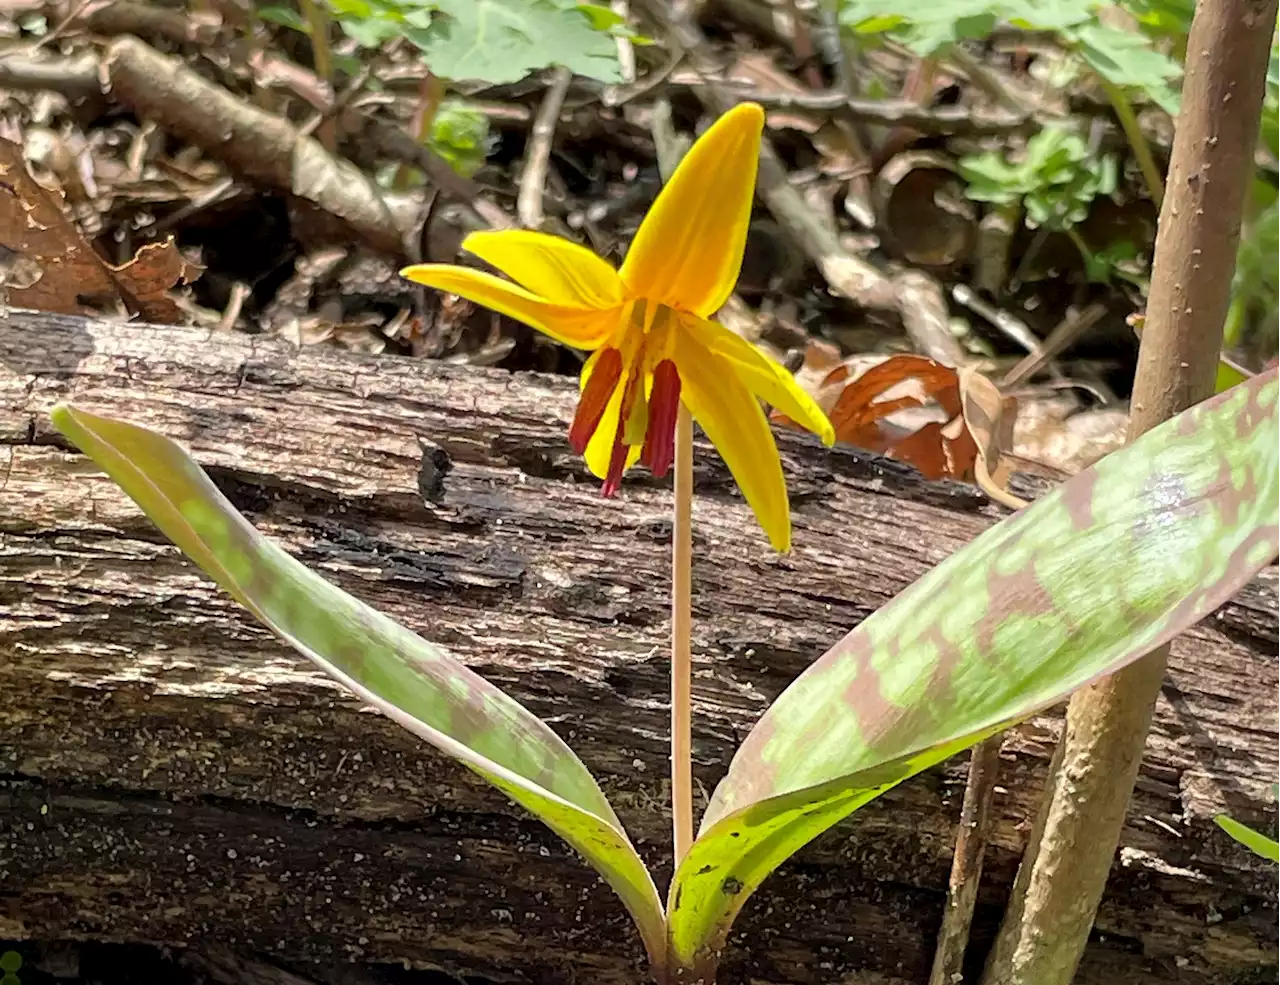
<point>254,144</point>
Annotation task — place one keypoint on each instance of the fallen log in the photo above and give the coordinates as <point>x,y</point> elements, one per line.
<point>171,774</point>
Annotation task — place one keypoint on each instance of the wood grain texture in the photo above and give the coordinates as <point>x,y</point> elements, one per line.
<point>170,773</point>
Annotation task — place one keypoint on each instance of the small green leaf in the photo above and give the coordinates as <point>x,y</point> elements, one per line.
<point>1121,558</point>
<point>1057,177</point>
<point>416,684</point>
<point>929,29</point>
<point>1127,59</point>
<point>1163,18</point>
<point>1255,841</point>
<point>1047,15</point>
<point>460,135</point>
<point>1228,376</point>
<point>600,18</point>
<point>500,41</point>
<point>284,16</point>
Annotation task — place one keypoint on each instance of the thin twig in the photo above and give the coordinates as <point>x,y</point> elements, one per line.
<point>957,120</point>
<point>1011,325</point>
<point>1056,342</point>
<point>61,27</point>
<point>626,50</point>
<point>966,865</point>
<point>534,179</point>
<point>984,79</point>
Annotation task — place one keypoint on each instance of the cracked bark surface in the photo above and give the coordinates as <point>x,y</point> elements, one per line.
<point>170,773</point>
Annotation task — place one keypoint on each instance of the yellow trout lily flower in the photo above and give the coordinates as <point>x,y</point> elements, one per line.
<point>648,325</point>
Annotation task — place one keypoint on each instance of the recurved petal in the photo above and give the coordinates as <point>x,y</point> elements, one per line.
<point>688,251</point>
<point>731,417</point>
<point>583,328</point>
<point>764,377</point>
<point>551,267</point>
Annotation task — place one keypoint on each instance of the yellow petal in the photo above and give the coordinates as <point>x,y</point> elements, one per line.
<point>600,448</point>
<point>688,250</point>
<point>763,377</point>
<point>551,267</point>
<point>721,403</point>
<point>583,328</point>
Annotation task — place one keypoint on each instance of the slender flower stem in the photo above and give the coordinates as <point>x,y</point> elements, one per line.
<point>1141,149</point>
<point>681,656</point>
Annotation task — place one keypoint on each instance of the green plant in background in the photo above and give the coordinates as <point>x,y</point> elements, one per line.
<point>1255,841</point>
<point>460,135</point>
<point>1123,62</point>
<point>1256,288</point>
<point>10,964</point>
<point>1055,181</point>
<point>493,41</point>
<point>1124,556</point>
<point>1253,321</point>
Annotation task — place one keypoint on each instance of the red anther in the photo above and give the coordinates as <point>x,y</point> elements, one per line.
<point>595,398</point>
<point>664,406</point>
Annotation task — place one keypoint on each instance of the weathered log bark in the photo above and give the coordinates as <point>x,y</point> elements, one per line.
<point>170,773</point>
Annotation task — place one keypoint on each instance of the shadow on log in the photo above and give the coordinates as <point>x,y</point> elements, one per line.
<point>171,774</point>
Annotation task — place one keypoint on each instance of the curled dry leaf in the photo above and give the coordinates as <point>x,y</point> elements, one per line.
<point>922,210</point>
<point>867,411</point>
<point>48,266</point>
<point>146,279</point>
<point>946,423</point>
<point>989,416</point>
<point>1054,432</point>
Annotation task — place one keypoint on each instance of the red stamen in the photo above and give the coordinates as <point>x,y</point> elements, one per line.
<point>618,460</point>
<point>617,463</point>
<point>595,398</point>
<point>664,405</point>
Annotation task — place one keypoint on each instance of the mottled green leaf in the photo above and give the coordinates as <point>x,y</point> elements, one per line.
<point>1116,561</point>
<point>415,683</point>
<point>1255,841</point>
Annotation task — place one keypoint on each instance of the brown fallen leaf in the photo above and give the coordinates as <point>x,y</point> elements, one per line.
<point>146,280</point>
<point>864,404</point>
<point>49,266</point>
<point>990,416</point>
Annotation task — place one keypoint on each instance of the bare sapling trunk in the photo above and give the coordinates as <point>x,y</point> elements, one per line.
<point>1066,869</point>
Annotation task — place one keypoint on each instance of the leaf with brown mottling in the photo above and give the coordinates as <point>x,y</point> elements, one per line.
<point>1112,563</point>
<point>417,684</point>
